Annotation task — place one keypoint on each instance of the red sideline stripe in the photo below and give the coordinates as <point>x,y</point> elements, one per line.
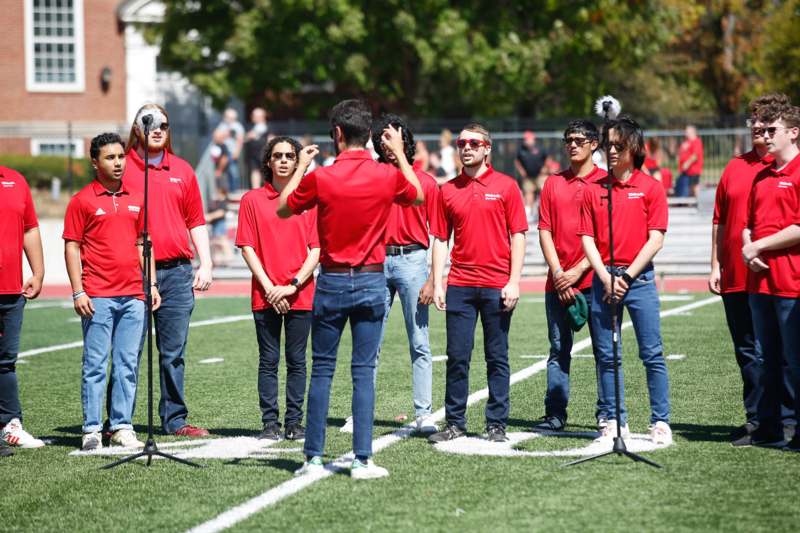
<point>527,286</point>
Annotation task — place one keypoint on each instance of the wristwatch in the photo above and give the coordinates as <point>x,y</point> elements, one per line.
<point>628,279</point>
<point>295,282</point>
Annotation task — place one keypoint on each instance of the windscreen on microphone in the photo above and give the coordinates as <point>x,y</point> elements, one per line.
<point>150,118</point>
<point>607,107</point>
<point>147,120</point>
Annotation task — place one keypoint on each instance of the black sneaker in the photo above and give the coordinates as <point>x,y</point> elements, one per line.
<point>793,445</point>
<point>762,437</point>
<point>294,432</point>
<point>549,423</point>
<point>742,431</point>
<point>5,449</point>
<point>450,432</point>
<point>271,431</point>
<point>496,434</point>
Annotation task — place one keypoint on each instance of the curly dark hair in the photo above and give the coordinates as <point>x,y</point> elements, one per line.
<point>102,140</point>
<point>764,107</point>
<point>386,120</point>
<point>630,134</point>
<point>266,154</point>
<point>583,127</point>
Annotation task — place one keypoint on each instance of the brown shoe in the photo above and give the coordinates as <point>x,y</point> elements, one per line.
<point>191,431</point>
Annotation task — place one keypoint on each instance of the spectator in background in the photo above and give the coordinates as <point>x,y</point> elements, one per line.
<point>254,143</point>
<point>652,165</point>
<point>221,158</point>
<point>234,142</point>
<point>447,154</point>
<point>221,249</point>
<point>435,169</point>
<point>690,164</point>
<point>422,158</point>
<point>529,162</point>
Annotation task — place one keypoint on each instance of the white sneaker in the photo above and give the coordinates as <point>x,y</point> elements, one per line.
<point>661,433</point>
<point>602,422</point>
<point>426,425</point>
<point>126,438</point>
<point>368,470</point>
<point>91,441</point>
<point>610,431</point>
<point>313,466</point>
<point>348,425</point>
<point>14,435</point>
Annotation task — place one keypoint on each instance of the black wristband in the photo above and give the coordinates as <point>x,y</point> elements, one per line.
<point>628,279</point>
<point>295,282</point>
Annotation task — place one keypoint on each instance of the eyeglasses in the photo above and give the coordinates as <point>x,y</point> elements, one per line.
<point>619,147</point>
<point>772,130</point>
<point>277,156</point>
<point>473,143</point>
<point>579,141</point>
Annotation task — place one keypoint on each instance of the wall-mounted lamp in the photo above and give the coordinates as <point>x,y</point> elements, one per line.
<point>105,79</point>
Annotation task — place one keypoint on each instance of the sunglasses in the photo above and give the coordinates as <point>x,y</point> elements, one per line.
<point>770,130</point>
<point>619,147</point>
<point>473,143</point>
<point>163,127</point>
<point>579,141</point>
<point>277,156</point>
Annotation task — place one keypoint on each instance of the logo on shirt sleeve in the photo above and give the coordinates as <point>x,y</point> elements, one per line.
<point>99,212</point>
<point>134,208</point>
<point>7,184</point>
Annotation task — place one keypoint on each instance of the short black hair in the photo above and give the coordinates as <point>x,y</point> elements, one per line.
<point>266,154</point>
<point>102,140</point>
<point>630,134</point>
<point>353,117</point>
<point>583,127</point>
<point>386,120</point>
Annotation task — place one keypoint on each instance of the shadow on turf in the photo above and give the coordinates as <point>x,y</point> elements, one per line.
<point>527,424</point>
<point>703,433</point>
<point>281,464</point>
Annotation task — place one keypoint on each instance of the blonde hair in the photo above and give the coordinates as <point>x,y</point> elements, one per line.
<point>475,127</point>
<point>133,136</point>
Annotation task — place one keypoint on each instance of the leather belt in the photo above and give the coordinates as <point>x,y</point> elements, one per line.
<point>375,267</point>
<point>394,249</point>
<point>172,263</point>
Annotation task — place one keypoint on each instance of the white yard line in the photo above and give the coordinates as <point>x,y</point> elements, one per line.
<point>78,344</point>
<point>287,488</point>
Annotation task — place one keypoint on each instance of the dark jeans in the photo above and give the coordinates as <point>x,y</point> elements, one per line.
<point>11,306</point>
<point>560,359</point>
<point>464,305</point>
<point>748,357</point>
<point>683,185</point>
<point>172,333</point>
<point>776,322</point>
<point>361,299</point>
<point>268,332</point>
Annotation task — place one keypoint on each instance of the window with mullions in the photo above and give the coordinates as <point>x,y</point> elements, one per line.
<point>54,45</point>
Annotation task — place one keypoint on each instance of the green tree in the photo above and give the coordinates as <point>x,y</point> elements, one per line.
<point>779,54</point>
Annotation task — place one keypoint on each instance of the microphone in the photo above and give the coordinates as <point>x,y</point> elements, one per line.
<point>147,120</point>
<point>607,107</point>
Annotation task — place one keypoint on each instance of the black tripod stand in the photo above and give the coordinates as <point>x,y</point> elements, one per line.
<point>150,448</point>
<point>619,447</point>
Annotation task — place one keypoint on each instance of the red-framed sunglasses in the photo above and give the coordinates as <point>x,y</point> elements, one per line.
<point>473,143</point>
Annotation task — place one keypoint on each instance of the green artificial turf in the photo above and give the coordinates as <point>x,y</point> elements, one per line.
<point>705,483</point>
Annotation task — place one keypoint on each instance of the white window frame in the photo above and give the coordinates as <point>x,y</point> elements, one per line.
<point>77,145</point>
<point>79,85</point>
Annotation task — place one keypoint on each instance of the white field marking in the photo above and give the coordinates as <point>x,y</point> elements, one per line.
<point>227,448</point>
<point>676,356</point>
<point>636,442</point>
<point>64,304</point>
<point>573,356</point>
<point>437,358</point>
<point>536,356</point>
<point>78,344</point>
<point>211,360</point>
<point>272,496</point>
<point>676,297</point>
<point>74,319</point>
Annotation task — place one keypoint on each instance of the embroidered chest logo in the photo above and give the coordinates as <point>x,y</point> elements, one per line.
<point>134,208</point>
<point>175,180</point>
<point>635,195</point>
<point>491,196</point>
<point>99,212</point>
<point>7,184</point>
<point>785,184</point>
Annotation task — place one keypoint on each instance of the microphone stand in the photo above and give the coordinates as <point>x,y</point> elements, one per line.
<point>619,447</point>
<point>150,448</point>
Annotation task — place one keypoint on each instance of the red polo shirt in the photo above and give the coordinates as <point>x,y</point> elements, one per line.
<point>410,225</point>
<point>17,215</point>
<point>282,245</point>
<point>354,197</point>
<point>687,150</point>
<point>107,226</point>
<point>482,213</point>
<point>774,205</point>
<point>175,205</point>
<point>640,205</point>
<point>560,214</point>
<point>730,210</point>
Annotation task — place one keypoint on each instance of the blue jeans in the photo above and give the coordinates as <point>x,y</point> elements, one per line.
<point>268,333</point>
<point>643,304</point>
<point>464,304</point>
<point>684,183</point>
<point>359,297</point>
<point>559,361</point>
<point>172,333</point>
<point>405,275</point>
<point>776,322</point>
<point>116,326</point>
<point>11,307</point>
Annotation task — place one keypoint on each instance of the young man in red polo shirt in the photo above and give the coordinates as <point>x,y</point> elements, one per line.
<point>640,221</point>
<point>282,255</point>
<point>483,209</point>
<point>175,215</point>
<point>19,231</point>
<point>353,197</point>
<point>569,270</point>
<point>690,163</point>
<point>772,253</point>
<point>729,274</point>
<point>103,252</point>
